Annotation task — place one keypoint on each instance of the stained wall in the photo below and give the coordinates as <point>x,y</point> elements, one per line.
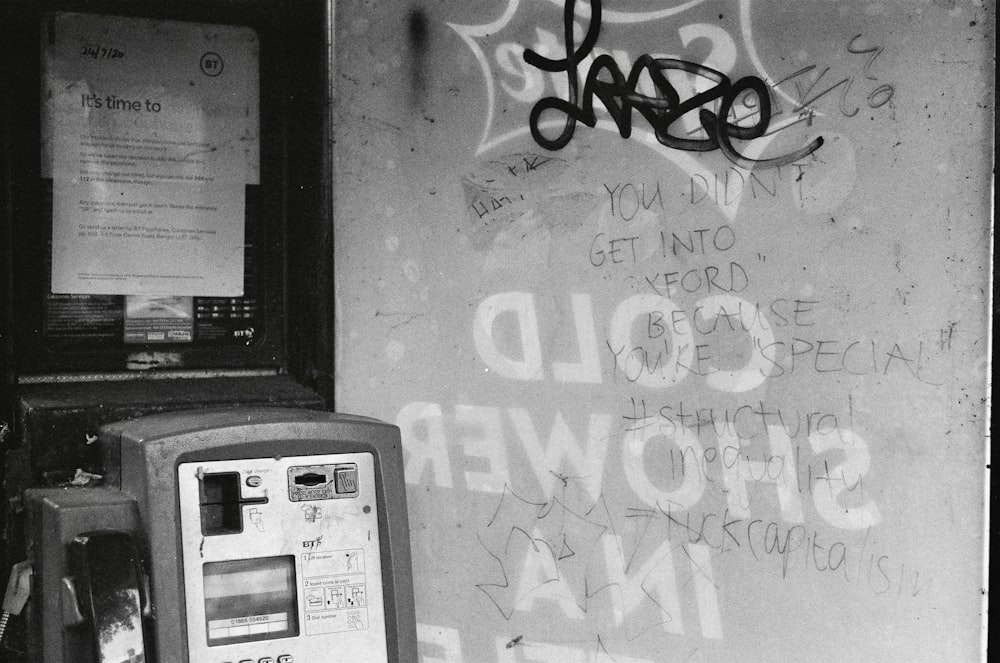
<point>697,378</point>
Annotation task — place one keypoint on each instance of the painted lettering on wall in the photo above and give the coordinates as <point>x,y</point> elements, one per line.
<point>662,408</point>
<point>616,517</point>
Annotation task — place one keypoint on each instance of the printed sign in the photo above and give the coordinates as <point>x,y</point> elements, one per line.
<point>150,134</point>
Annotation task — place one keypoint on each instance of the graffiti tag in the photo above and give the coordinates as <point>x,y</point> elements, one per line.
<point>620,96</point>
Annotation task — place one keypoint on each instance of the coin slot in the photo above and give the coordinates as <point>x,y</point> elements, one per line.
<point>310,479</point>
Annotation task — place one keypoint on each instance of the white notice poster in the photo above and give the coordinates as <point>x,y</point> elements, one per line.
<point>150,134</point>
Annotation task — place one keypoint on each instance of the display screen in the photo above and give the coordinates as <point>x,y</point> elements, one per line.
<point>250,599</point>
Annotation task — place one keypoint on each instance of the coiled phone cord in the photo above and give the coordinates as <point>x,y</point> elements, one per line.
<point>18,589</point>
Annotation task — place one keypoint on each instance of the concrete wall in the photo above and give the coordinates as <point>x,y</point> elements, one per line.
<point>661,402</point>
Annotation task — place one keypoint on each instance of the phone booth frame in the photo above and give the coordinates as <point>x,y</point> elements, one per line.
<point>54,396</point>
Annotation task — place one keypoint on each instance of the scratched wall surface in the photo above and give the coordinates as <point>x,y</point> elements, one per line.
<point>681,309</point>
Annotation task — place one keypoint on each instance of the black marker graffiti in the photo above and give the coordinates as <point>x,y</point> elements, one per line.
<point>878,97</point>
<point>619,97</point>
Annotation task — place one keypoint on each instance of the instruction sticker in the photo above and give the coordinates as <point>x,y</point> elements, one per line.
<point>150,133</point>
<point>335,591</point>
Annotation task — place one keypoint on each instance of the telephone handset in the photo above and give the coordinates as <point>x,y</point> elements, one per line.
<point>108,587</point>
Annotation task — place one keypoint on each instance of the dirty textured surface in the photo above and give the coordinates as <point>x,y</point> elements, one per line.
<point>689,366</point>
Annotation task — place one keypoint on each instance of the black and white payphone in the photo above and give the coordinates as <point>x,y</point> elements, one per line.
<point>166,246</point>
<point>273,535</point>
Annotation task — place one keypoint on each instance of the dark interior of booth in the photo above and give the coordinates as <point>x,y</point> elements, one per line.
<point>67,365</point>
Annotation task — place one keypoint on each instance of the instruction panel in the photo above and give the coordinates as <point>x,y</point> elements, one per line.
<point>150,135</point>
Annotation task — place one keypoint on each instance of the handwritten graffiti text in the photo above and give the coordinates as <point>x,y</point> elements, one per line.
<point>620,97</point>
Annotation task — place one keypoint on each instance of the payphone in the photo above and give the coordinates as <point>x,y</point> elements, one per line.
<point>166,245</point>
<point>262,534</point>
